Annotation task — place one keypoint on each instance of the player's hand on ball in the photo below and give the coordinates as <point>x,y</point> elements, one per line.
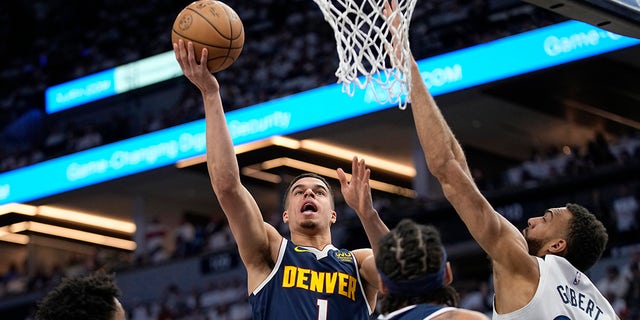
<point>196,71</point>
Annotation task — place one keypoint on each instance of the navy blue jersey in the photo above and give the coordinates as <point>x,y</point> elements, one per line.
<point>309,284</point>
<point>417,312</point>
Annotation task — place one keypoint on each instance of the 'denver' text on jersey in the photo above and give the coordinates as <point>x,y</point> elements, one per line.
<point>324,282</point>
<point>307,283</point>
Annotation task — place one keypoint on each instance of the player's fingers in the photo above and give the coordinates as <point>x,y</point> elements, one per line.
<point>191,56</point>
<point>176,52</point>
<point>362,166</point>
<point>204,56</point>
<point>387,9</point>
<point>355,170</point>
<point>342,177</point>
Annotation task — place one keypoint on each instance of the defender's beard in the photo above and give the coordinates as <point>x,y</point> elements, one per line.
<point>534,246</point>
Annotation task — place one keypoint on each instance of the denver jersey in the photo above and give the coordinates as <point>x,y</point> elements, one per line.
<point>417,312</point>
<point>309,284</point>
<point>563,293</point>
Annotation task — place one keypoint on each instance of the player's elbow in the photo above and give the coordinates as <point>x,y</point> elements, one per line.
<point>445,170</point>
<point>225,186</point>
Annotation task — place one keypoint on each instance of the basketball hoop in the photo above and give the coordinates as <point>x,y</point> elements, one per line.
<point>363,33</point>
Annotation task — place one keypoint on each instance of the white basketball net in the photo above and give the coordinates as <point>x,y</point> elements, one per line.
<point>363,35</point>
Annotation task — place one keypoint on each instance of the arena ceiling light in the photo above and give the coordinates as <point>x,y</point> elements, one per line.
<point>318,147</point>
<point>87,219</point>
<point>20,208</point>
<point>257,171</point>
<point>73,234</point>
<point>7,236</point>
<point>76,219</point>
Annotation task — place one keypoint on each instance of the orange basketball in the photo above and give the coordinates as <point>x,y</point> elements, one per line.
<point>213,25</point>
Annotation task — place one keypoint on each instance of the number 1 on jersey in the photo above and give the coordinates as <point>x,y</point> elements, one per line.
<point>322,308</point>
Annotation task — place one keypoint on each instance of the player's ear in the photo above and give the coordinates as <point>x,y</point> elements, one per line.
<point>558,246</point>
<point>448,274</point>
<point>285,216</point>
<point>334,216</point>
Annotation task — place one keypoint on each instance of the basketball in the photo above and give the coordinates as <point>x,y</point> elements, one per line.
<point>213,25</point>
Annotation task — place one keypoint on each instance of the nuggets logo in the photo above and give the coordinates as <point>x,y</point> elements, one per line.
<point>344,256</point>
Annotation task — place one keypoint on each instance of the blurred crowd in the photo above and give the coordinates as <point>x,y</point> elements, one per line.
<point>289,48</point>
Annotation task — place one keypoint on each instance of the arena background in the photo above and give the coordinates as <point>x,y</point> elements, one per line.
<point>543,138</point>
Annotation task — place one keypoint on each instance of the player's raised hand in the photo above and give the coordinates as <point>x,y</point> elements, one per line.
<point>357,191</point>
<point>196,71</point>
<point>392,14</point>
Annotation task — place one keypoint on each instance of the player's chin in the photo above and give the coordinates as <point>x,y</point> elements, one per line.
<point>309,225</point>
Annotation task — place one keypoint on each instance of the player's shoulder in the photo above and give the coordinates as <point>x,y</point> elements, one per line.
<point>462,314</point>
<point>362,254</point>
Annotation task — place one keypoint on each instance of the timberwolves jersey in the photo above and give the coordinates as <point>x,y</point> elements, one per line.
<point>309,284</point>
<point>417,312</point>
<point>563,293</point>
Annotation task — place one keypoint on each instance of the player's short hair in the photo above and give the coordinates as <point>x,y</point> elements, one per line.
<point>586,239</point>
<point>306,175</point>
<point>80,298</point>
<point>412,251</point>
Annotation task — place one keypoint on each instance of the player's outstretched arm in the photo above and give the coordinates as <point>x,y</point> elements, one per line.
<point>245,220</point>
<point>447,162</point>
<point>357,194</point>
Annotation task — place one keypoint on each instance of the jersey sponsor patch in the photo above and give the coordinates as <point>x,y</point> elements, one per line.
<point>344,256</point>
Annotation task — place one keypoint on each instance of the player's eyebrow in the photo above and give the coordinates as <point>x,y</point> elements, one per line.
<point>305,186</point>
<point>551,214</point>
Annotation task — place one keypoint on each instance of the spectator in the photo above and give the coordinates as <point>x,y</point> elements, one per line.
<point>614,287</point>
<point>185,237</point>
<point>625,207</point>
<point>155,237</point>
<point>633,293</point>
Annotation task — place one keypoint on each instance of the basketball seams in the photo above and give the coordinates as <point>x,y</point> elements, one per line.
<point>212,24</point>
<point>230,16</point>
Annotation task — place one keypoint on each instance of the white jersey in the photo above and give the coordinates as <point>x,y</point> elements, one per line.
<point>564,293</point>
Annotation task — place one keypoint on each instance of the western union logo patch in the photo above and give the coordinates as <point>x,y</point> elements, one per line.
<point>344,256</point>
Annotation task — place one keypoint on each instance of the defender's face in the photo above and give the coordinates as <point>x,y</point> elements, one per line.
<point>544,231</point>
<point>309,204</point>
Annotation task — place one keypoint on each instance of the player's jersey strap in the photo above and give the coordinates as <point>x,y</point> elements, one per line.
<point>309,284</point>
<point>416,312</point>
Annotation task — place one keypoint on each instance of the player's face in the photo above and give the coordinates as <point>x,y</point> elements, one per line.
<point>545,231</point>
<point>309,204</point>
<point>119,314</point>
